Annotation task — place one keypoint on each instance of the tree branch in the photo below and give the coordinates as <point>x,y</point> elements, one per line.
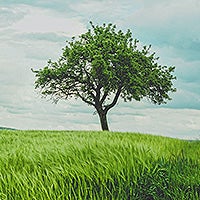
<point>85,100</point>
<point>103,97</point>
<point>108,107</point>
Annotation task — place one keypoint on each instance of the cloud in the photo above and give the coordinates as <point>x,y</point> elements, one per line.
<point>58,5</point>
<point>39,20</point>
<point>180,123</point>
<point>170,24</point>
<point>9,16</point>
<point>50,37</point>
<point>103,11</point>
<point>24,110</point>
<point>184,99</point>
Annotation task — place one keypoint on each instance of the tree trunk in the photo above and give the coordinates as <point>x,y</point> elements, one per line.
<point>103,120</point>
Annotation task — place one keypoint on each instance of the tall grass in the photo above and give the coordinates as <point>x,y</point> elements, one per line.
<point>39,165</point>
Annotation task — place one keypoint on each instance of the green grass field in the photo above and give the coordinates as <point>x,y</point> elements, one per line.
<point>55,165</point>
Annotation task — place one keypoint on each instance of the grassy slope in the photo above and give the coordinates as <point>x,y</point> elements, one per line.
<point>97,165</point>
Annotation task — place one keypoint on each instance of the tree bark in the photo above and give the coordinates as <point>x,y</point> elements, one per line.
<point>102,111</point>
<point>103,120</point>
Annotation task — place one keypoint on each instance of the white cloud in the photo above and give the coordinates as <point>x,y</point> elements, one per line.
<point>104,11</point>
<point>163,12</point>
<point>9,16</point>
<point>37,20</point>
<point>168,23</point>
<point>180,123</point>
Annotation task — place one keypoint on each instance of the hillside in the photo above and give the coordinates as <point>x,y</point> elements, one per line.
<point>6,128</point>
<point>97,165</point>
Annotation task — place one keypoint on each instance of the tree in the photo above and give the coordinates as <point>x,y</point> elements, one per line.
<point>102,65</point>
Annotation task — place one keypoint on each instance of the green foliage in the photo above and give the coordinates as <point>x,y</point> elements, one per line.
<point>95,165</point>
<point>106,63</point>
<point>106,60</point>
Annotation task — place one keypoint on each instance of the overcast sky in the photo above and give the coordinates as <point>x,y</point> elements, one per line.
<point>33,31</point>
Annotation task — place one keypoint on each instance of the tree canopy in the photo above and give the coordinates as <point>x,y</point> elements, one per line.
<point>102,65</point>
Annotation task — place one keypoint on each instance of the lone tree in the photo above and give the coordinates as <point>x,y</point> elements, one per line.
<point>102,65</point>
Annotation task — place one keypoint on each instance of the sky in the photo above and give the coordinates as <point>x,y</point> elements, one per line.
<point>34,31</point>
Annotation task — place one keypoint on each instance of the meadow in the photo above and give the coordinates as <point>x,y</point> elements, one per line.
<point>58,165</point>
